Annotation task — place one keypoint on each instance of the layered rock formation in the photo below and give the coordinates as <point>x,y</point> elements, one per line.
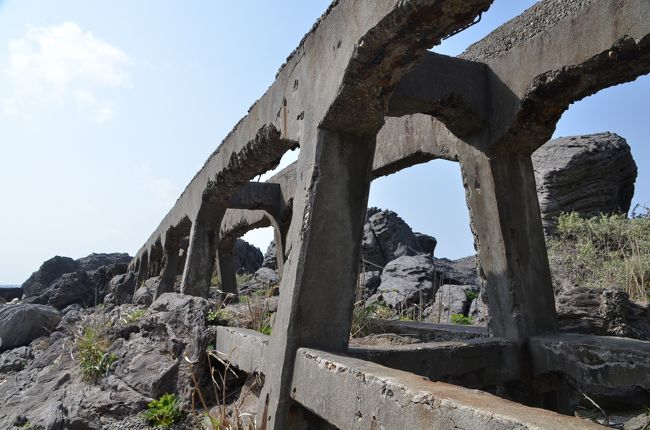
<point>590,175</point>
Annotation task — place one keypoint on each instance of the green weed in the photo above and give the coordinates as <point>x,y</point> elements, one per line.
<point>163,412</point>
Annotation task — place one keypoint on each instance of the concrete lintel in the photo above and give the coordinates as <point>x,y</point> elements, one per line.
<point>259,196</point>
<point>593,361</point>
<point>371,396</point>
<point>243,348</point>
<point>473,363</point>
<point>429,332</point>
<point>452,89</point>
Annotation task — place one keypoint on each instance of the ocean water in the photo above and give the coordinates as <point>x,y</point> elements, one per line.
<point>9,286</point>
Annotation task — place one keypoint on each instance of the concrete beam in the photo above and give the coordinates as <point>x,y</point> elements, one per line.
<point>264,196</point>
<point>428,332</point>
<point>368,395</point>
<point>473,363</point>
<point>596,362</point>
<point>451,89</point>
<point>243,348</point>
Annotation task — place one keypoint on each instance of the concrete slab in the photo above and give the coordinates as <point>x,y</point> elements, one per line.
<point>473,363</point>
<point>243,348</point>
<point>355,394</point>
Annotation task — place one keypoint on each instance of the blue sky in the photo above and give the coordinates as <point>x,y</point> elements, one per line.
<point>107,109</point>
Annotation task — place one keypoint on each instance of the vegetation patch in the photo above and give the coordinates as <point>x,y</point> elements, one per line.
<point>163,412</point>
<point>602,252</point>
<point>462,319</point>
<point>92,349</point>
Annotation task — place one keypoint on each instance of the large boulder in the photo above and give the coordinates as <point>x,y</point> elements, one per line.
<point>49,271</point>
<point>406,281</point>
<point>120,289</point>
<point>386,236</point>
<point>247,258</point>
<point>456,272</point>
<point>590,175</point>
<point>22,323</point>
<point>453,300</point>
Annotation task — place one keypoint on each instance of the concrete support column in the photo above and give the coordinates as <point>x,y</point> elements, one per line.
<point>201,253</point>
<point>143,270</point>
<point>170,263</point>
<point>318,283</point>
<point>226,266</point>
<point>280,240</point>
<point>507,227</point>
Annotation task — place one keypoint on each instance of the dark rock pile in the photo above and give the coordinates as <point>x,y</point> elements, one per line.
<point>62,281</point>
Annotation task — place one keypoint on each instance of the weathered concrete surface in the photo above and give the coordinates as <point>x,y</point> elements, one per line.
<point>243,348</point>
<point>428,332</point>
<point>473,363</point>
<point>371,396</point>
<point>597,362</point>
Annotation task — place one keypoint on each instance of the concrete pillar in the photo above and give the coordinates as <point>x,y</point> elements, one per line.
<point>318,283</point>
<point>507,227</point>
<point>226,265</point>
<point>143,270</point>
<point>170,264</point>
<point>201,253</point>
<point>280,240</point>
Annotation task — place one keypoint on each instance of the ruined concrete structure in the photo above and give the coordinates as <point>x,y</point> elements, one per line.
<point>363,97</point>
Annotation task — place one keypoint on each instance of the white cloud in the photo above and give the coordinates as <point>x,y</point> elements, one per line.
<point>64,64</point>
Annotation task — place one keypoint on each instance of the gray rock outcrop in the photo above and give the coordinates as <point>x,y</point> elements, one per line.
<point>406,281</point>
<point>22,323</point>
<point>62,281</point>
<point>590,175</point>
<point>456,272</point>
<point>247,258</point>
<point>386,236</point>
<point>603,312</point>
<point>270,258</point>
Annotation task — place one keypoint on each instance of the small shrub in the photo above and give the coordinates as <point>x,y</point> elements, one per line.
<point>259,316</point>
<point>471,295</point>
<point>132,316</point>
<point>462,319</point>
<point>216,315</point>
<point>92,347</point>
<point>215,281</point>
<point>163,412</point>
